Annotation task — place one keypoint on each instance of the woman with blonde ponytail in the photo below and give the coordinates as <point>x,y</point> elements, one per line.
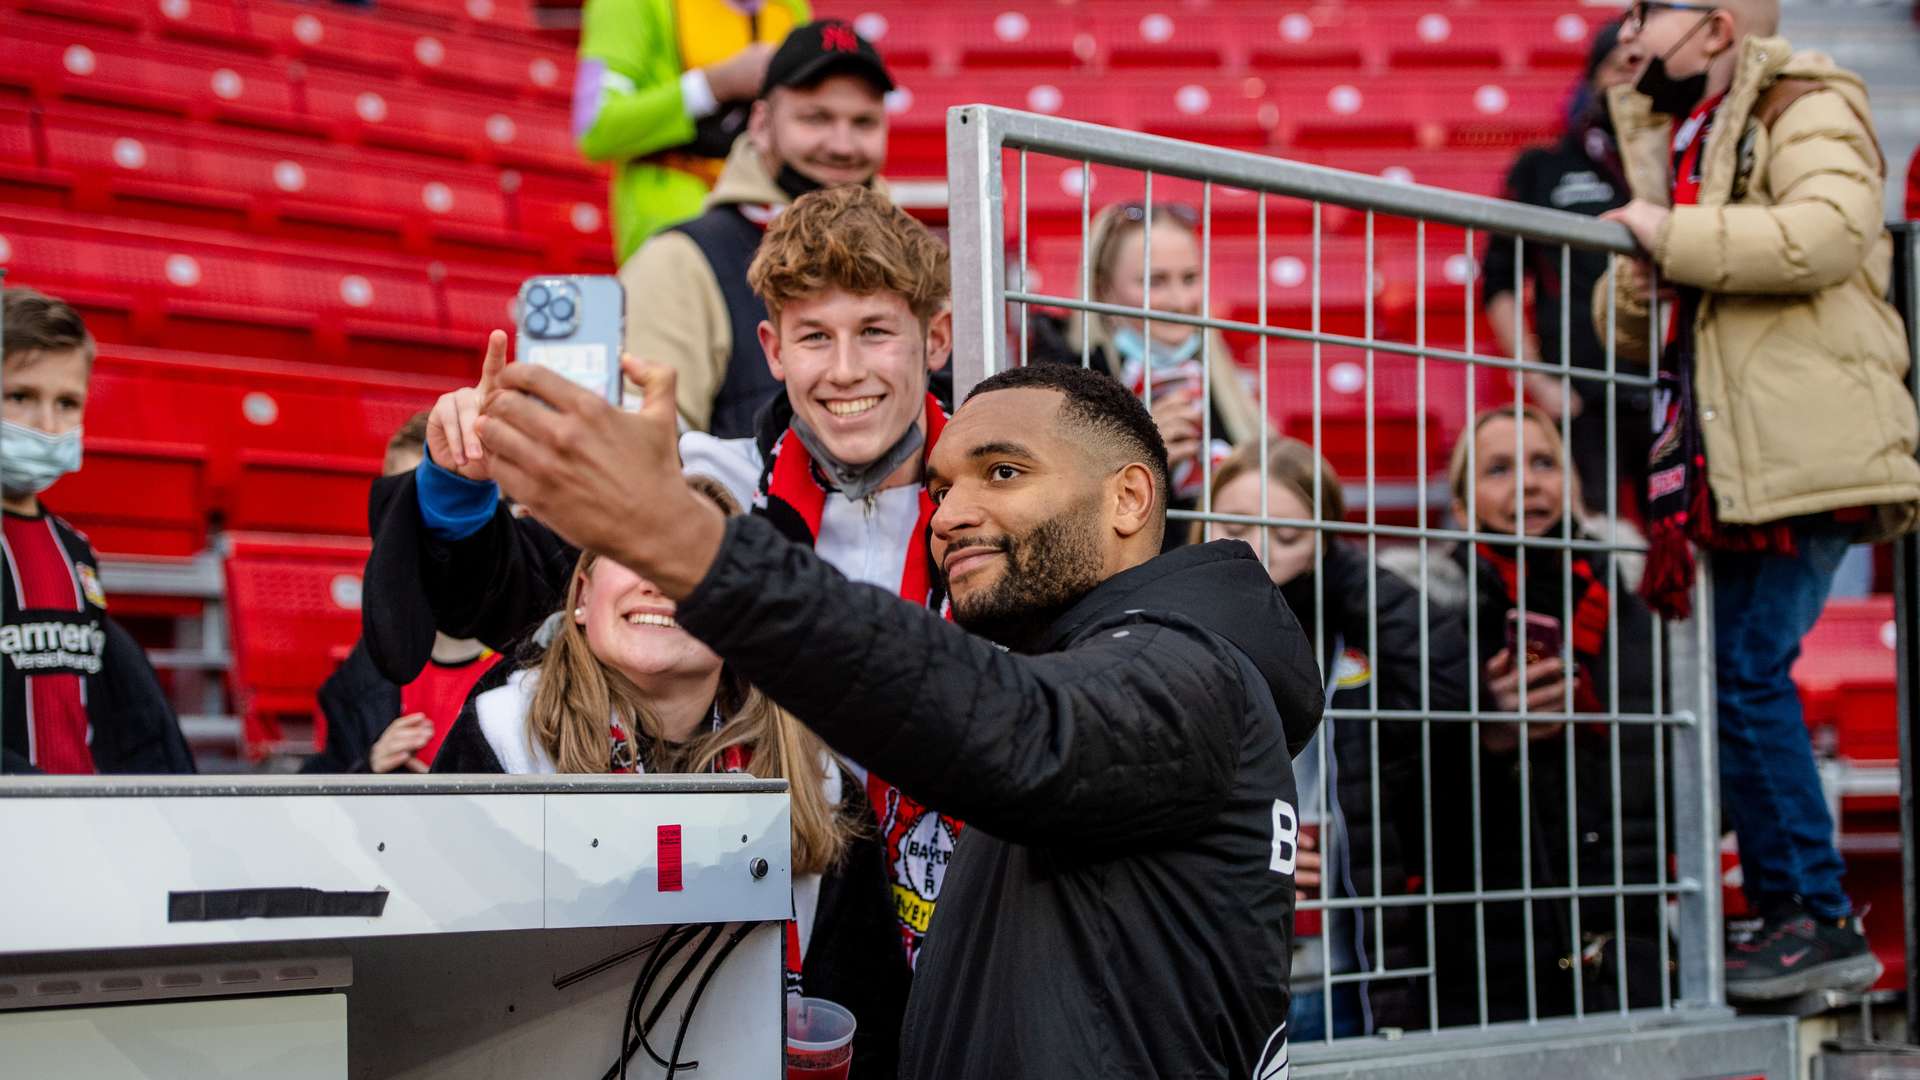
<point>614,685</point>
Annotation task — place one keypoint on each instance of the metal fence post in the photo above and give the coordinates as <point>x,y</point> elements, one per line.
<point>1696,800</point>
<point>979,247</point>
<point>1906,614</point>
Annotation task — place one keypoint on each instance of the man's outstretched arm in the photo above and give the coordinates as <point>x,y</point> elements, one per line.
<point>1130,738</point>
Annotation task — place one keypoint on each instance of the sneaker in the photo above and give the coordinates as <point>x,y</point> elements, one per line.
<point>1794,953</point>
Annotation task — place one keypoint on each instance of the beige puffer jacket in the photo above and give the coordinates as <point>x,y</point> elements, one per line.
<point>1800,362</point>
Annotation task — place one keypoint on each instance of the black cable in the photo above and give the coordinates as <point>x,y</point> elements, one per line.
<point>633,1033</point>
<point>699,988</point>
<point>679,979</point>
<point>659,951</point>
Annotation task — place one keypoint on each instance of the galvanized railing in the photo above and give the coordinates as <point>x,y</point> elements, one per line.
<point>993,155</point>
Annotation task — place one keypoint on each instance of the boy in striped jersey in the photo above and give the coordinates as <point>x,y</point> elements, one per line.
<point>80,696</point>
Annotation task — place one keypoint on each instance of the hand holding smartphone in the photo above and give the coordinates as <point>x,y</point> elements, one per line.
<point>1541,634</point>
<point>576,327</point>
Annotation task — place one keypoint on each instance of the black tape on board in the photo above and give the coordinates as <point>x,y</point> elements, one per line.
<point>221,905</point>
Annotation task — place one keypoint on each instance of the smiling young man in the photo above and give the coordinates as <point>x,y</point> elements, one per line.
<point>1119,740</point>
<point>820,121</point>
<point>856,294</point>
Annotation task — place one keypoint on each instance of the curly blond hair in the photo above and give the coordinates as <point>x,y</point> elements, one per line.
<point>853,239</point>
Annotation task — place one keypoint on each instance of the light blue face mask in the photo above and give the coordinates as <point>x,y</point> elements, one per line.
<point>31,460</point>
<point>1133,347</point>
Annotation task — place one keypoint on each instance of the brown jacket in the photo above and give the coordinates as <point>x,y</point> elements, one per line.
<point>676,313</point>
<point>1800,363</point>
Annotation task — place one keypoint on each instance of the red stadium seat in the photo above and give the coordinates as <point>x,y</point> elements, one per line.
<point>1019,34</point>
<point>1164,35</point>
<point>439,122</point>
<point>170,515</point>
<point>1847,680</point>
<point>183,288</point>
<point>291,601</point>
<point>173,80</point>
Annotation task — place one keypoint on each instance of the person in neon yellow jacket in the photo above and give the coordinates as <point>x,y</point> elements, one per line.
<point>663,90</point>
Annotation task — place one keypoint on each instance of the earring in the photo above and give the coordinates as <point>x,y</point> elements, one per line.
<point>579,614</point>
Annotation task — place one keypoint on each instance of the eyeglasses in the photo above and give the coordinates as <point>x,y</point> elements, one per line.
<point>1636,19</point>
<point>1134,213</point>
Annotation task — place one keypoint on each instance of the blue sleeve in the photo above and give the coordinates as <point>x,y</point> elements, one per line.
<point>452,506</point>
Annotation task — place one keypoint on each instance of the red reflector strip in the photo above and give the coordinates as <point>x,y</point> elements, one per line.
<point>669,849</point>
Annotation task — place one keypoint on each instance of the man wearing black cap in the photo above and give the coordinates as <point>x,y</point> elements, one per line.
<point>1580,174</point>
<point>820,121</point>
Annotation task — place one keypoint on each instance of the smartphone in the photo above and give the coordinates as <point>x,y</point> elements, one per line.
<point>1541,633</point>
<point>575,325</point>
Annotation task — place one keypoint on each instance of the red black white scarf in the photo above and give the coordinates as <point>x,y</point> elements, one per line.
<point>1680,509</point>
<point>918,842</point>
<point>1590,603</point>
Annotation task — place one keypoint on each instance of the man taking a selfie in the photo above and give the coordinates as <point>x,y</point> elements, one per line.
<point>856,295</point>
<point>1119,734</point>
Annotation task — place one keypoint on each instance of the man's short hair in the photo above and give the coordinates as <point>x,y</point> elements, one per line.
<point>35,323</point>
<point>853,239</point>
<point>1096,404</point>
<point>412,436</point>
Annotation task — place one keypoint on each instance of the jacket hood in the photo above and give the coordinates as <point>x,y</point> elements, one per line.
<point>1224,588</point>
<point>745,181</point>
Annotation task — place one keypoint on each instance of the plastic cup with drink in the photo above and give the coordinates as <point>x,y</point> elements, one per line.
<point>819,1039</point>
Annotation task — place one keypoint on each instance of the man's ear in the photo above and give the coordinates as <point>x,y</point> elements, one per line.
<point>940,339</point>
<point>1133,499</point>
<point>770,345</point>
<point>760,131</point>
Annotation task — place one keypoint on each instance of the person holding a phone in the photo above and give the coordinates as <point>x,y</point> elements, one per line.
<point>1553,632</point>
<point>1160,361</point>
<point>1115,724</point>
<point>856,293</point>
<point>1367,622</point>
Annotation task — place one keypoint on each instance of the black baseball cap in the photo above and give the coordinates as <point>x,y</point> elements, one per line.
<point>821,48</point>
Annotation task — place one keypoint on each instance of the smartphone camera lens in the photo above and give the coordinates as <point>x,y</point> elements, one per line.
<point>537,296</point>
<point>561,309</point>
<point>537,324</point>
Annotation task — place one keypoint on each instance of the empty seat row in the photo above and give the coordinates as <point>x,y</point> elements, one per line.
<point>208,85</point>
<point>178,287</point>
<point>106,161</point>
<point>1301,110</point>
<point>327,36</point>
<point>1126,35</point>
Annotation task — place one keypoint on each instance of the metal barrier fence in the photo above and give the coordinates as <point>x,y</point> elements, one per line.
<point>1502,852</point>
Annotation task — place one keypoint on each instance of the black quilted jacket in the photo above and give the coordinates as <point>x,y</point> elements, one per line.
<point>1121,903</point>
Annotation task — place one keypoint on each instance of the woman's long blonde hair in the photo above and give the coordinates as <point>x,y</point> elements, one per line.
<point>577,696</point>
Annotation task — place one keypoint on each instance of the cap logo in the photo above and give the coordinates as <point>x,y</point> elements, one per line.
<point>839,37</point>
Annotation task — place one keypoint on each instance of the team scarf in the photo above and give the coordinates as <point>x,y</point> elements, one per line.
<point>733,759</point>
<point>793,498</point>
<point>1590,603</point>
<point>1680,511</point>
<point>794,493</point>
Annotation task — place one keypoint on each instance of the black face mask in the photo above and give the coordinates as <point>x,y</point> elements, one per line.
<point>794,183</point>
<point>1671,96</point>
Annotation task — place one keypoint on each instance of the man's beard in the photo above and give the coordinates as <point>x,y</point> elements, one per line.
<point>1047,570</point>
